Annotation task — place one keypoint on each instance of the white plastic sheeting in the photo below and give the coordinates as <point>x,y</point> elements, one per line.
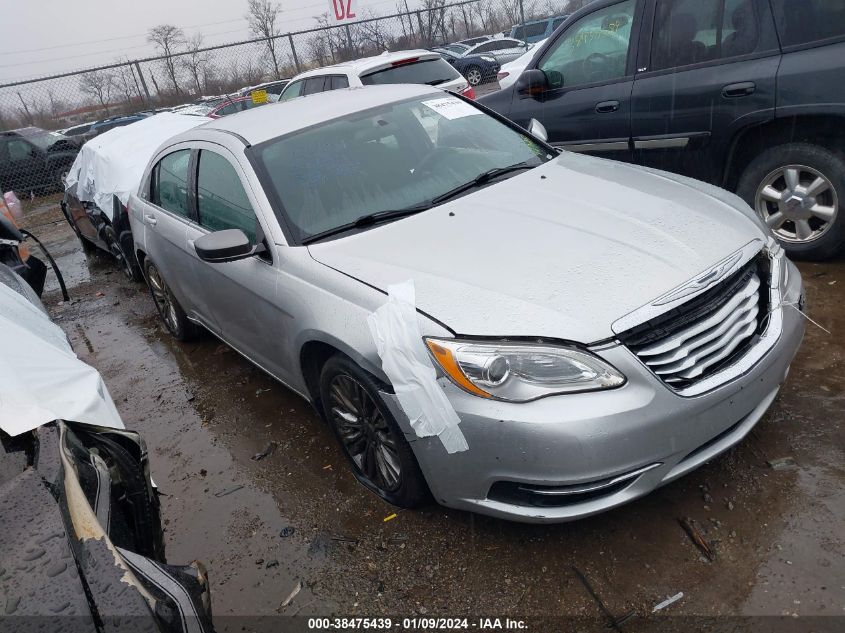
<point>41,379</point>
<point>404,359</point>
<point>113,163</point>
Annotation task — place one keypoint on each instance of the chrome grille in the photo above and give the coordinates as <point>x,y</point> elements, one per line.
<point>699,338</point>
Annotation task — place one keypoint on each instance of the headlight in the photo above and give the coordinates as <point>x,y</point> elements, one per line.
<point>519,372</point>
<point>487,58</point>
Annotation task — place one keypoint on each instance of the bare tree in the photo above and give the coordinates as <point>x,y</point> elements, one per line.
<point>261,16</point>
<point>168,38</point>
<point>196,61</point>
<point>125,82</point>
<point>98,84</point>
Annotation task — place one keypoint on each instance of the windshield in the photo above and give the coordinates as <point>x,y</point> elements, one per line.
<point>388,158</point>
<point>427,71</point>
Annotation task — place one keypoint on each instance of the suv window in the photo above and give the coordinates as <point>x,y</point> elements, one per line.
<point>690,31</point>
<point>19,150</point>
<point>809,20</point>
<point>339,81</point>
<point>314,85</point>
<point>293,90</point>
<point>170,182</point>
<point>498,45</point>
<point>222,202</point>
<point>557,23</point>
<point>594,49</point>
<point>427,71</point>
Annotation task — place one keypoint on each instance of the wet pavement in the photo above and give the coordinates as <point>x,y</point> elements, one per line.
<point>297,518</point>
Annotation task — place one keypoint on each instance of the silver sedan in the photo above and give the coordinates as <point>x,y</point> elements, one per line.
<point>481,320</point>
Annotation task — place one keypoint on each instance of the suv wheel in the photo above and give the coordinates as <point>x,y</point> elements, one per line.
<point>474,76</point>
<point>798,189</point>
<point>174,317</point>
<point>380,455</point>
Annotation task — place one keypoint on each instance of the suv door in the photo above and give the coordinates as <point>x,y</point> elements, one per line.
<point>590,70</point>
<point>708,69</point>
<point>238,294</point>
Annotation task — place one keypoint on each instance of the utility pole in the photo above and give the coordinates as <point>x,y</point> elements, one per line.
<point>143,81</point>
<point>522,16</point>
<point>23,103</point>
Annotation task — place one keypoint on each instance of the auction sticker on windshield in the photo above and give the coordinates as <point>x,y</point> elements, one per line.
<point>451,107</point>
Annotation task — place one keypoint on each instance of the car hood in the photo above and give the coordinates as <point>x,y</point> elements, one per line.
<point>561,251</point>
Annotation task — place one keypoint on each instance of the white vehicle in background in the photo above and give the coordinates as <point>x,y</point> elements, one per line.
<point>400,67</point>
<point>509,72</point>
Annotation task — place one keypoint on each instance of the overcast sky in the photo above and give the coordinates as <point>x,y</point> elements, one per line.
<point>41,37</point>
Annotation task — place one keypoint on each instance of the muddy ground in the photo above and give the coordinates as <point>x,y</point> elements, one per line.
<point>298,517</point>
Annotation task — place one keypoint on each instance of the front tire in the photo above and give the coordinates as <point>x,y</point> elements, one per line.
<point>798,189</point>
<point>372,441</point>
<point>174,317</point>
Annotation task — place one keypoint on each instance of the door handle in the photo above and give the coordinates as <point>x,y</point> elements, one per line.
<point>604,107</point>
<point>151,220</point>
<point>742,89</point>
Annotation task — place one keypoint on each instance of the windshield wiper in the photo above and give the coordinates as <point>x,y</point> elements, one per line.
<point>479,181</point>
<point>371,219</point>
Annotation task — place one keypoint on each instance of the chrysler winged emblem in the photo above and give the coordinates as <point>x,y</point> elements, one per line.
<point>702,281</point>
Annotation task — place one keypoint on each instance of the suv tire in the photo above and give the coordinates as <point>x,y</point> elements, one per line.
<point>806,163</point>
<point>380,456</point>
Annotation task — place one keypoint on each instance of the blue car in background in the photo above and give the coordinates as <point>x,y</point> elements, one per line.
<point>117,121</point>
<point>481,62</point>
<point>536,30</point>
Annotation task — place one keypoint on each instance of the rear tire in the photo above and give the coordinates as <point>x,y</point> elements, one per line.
<point>174,317</point>
<point>474,76</point>
<point>380,456</point>
<point>126,262</point>
<point>791,217</point>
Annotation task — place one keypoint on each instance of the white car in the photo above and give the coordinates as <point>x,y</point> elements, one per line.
<point>509,73</point>
<point>400,67</point>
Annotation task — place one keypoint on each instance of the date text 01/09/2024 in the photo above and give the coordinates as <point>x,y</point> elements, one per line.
<point>415,623</point>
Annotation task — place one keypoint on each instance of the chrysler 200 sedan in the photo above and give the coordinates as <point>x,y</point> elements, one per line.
<point>599,329</point>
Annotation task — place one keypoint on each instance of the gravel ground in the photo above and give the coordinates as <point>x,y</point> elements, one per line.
<point>298,518</point>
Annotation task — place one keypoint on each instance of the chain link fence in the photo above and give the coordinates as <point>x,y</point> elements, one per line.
<point>187,74</point>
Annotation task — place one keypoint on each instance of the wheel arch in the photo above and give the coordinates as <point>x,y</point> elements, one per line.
<point>828,131</point>
<point>316,351</point>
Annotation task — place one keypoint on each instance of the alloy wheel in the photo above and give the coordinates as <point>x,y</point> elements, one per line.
<point>474,76</point>
<point>798,203</point>
<point>163,299</point>
<point>364,433</point>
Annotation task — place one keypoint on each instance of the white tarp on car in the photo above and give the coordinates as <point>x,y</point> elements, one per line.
<point>114,162</point>
<point>41,379</point>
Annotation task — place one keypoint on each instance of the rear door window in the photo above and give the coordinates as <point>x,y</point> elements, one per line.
<point>428,71</point>
<point>314,85</point>
<point>20,150</point>
<point>170,183</point>
<point>694,31</point>
<point>222,202</point>
<point>809,21</point>
<point>338,81</point>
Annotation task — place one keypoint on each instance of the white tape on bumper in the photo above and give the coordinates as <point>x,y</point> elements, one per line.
<point>397,335</point>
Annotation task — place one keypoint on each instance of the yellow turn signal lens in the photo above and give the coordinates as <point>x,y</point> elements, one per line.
<point>449,364</point>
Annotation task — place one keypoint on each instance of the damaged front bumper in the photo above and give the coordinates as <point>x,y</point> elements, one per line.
<point>82,538</point>
<point>566,457</point>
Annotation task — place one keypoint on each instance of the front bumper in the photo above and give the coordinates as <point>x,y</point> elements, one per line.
<point>566,457</point>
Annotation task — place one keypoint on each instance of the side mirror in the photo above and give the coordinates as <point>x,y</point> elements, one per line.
<point>538,130</point>
<point>228,245</point>
<point>532,83</point>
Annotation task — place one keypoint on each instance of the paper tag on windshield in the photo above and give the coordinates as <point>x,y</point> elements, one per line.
<point>451,108</point>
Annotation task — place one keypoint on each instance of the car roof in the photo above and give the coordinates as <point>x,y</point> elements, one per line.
<point>362,65</point>
<point>276,119</point>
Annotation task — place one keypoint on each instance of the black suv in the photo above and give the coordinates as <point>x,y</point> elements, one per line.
<point>745,94</point>
<point>32,159</point>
